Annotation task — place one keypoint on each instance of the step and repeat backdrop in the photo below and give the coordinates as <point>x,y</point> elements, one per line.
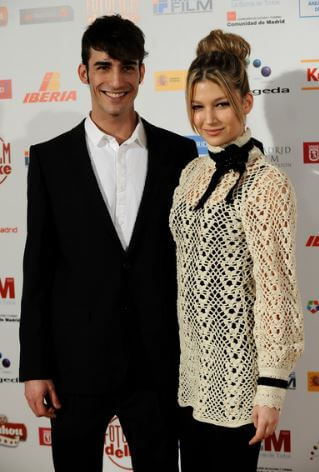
<point>41,96</point>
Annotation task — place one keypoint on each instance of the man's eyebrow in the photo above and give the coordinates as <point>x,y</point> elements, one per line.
<point>102,63</point>
<point>129,62</point>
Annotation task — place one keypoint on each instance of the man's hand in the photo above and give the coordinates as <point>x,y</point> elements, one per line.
<point>38,394</point>
<point>265,421</point>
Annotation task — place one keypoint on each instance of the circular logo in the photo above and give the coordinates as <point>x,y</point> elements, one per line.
<point>116,447</point>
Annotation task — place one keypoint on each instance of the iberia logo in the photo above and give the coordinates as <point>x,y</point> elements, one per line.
<point>5,160</point>
<point>50,91</point>
<point>116,447</point>
<point>11,433</point>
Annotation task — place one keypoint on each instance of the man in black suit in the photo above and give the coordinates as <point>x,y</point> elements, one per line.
<point>99,333</point>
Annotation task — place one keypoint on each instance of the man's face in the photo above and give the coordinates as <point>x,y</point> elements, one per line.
<point>113,84</point>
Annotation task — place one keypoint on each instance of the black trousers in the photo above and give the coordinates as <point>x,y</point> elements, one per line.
<point>78,431</point>
<point>205,447</point>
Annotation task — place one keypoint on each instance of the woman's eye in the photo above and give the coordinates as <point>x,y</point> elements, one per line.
<point>222,104</point>
<point>196,107</point>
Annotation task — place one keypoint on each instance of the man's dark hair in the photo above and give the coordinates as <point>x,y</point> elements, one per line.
<point>119,38</point>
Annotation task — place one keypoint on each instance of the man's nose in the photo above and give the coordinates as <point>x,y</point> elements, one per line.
<point>115,78</point>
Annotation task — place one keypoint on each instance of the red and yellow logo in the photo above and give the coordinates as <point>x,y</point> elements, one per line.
<point>11,433</point>
<point>49,91</point>
<point>312,74</point>
<point>169,80</point>
<point>5,160</point>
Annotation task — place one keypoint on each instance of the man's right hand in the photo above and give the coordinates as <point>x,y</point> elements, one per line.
<point>38,393</point>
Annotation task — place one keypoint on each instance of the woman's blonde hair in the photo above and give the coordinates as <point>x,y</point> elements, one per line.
<point>221,58</point>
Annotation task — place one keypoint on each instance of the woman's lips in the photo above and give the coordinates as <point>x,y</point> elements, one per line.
<point>213,132</point>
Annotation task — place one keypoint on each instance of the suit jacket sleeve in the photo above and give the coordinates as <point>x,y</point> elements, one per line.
<point>38,270</point>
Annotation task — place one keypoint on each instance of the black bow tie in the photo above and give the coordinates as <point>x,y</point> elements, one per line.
<point>233,158</point>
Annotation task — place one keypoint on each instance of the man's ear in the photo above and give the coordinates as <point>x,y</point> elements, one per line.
<point>142,73</point>
<point>83,74</point>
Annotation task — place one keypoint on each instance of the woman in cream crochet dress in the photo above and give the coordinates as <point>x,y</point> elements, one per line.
<point>233,220</point>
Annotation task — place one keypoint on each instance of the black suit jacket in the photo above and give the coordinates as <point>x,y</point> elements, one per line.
<point>91,311</point>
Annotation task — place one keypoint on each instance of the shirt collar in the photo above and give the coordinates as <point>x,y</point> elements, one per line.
<point>99,138</point>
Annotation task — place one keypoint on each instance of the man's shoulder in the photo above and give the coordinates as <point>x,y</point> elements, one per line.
<point>157,132</point>
<point>62,139</point>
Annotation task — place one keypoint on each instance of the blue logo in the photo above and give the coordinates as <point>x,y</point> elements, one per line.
<point>265,70</point>
<point>175,7</point>
<point>200,143</point>
<point>4,362</point>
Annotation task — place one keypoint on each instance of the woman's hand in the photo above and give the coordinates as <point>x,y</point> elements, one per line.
<point>265,421</point>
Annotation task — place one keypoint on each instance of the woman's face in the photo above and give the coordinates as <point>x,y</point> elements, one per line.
<point>213,116</point>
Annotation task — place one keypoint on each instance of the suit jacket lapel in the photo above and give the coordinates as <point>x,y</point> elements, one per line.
<point>151,182</point>
<point>88,183</point>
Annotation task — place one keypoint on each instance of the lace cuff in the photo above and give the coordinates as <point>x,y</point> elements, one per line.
<point>273,397</point>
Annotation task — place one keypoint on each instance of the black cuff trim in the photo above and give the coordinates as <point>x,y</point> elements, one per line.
<point>270,382</point>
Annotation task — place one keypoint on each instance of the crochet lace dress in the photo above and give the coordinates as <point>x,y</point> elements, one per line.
<point>239,311</point>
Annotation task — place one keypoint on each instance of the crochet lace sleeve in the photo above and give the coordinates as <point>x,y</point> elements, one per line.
<point>269,218</point>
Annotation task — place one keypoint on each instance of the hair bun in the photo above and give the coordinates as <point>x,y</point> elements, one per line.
<point>217,40</point>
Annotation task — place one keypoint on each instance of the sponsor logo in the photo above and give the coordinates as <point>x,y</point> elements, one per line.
<point>200,143</point>
<point>49,91</point>
<point>11,433</point>
<point>26,157</point>
<point>9,380</point>
<point>313,241</point>
<point>45,437</point>
<point>273,91</point>
<point>126,8</point>
<point>313,306</point>
<point>311,153</point>
<point>58,14</point>
<point>5,160</point>
<point>7,289</point>
<point>4,362</point>
<point>3,16</point>
<point>234,18</point>
<point>5,89</point>
<point>279,155</point>
<point>313,381</point>
<point>9,318</point>
<point>308,9</point>
<point>116,447</point>
<point>292,381</point>
<point>312,74</point>
<point>261,73</point>
<point>170,80</point>
<point>278,445</point>
<point>6,369</point>
<point>175,7</point>
<point>8,229</point>
<point>265,71</point>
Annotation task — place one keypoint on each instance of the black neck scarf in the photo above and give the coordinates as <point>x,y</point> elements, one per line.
<point>233,158</point>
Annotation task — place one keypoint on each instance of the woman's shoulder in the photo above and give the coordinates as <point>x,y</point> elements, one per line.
<point>193,165</point>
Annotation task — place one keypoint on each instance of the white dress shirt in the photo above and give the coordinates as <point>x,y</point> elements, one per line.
<point>120,171</point>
